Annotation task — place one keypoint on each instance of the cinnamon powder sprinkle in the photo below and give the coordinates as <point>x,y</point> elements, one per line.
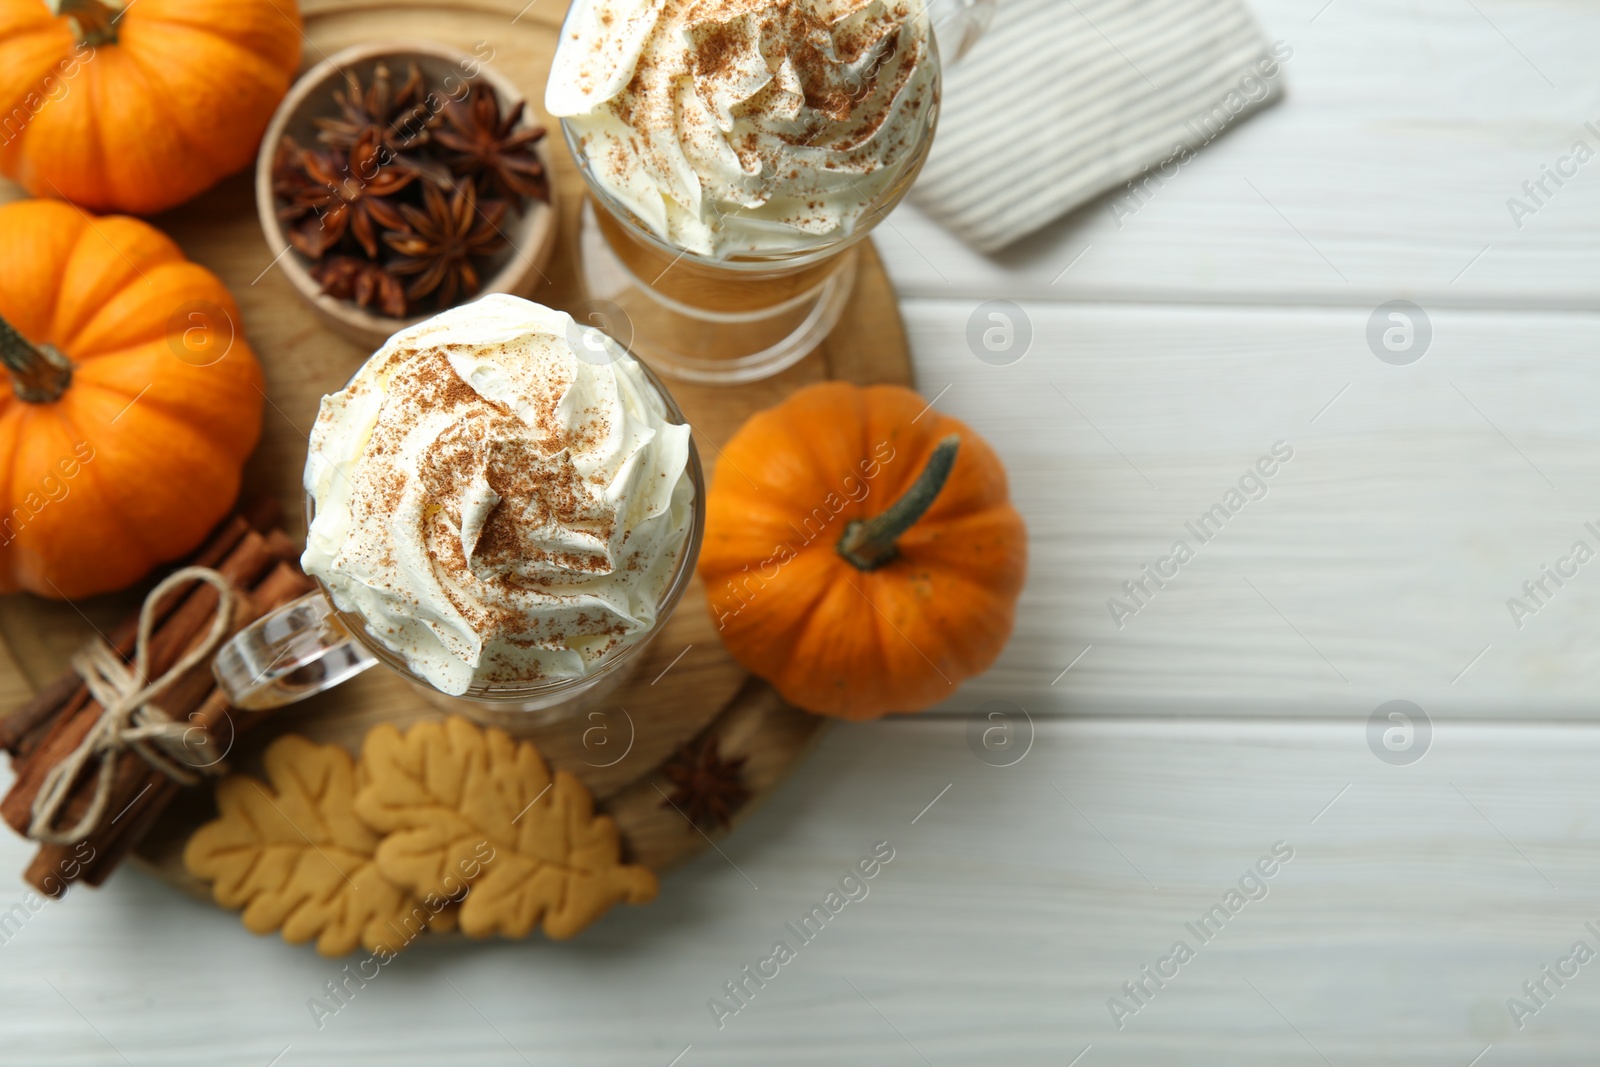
<point>510,519</point>
<point>859,69</point>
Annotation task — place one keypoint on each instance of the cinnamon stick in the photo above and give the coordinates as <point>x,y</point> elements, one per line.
<point>140,792</point>
<point>243,547</point>
<point>23,725</point>
<point>281,545</point>
<point>55,867</point>
<point>192,611</point>
<point>183,633</point>
<point>243,566</point>
<point>133,774</point>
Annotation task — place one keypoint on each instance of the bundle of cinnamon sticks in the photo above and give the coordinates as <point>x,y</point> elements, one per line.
<point>261,562</point>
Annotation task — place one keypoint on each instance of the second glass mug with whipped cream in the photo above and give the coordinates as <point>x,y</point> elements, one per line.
<point>501,508</point>
<point>734,155</point>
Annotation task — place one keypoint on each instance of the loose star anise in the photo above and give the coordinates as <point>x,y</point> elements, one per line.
<point>361,281</point>
<point>488,148</point>
<point>709,789</point>
<point>439,243</point>
<point>399,115</point>
<point>348,197</point>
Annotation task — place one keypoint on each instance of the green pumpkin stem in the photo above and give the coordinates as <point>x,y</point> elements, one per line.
<point>94,21</point>
<point>39,373</point>
<point>870,543</point>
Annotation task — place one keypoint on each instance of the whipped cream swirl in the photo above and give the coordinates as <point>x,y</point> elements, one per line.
<point>746,126</point>
<point>498,509</point>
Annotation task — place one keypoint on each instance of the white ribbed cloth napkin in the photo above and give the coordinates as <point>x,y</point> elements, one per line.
<point>1065,99</point>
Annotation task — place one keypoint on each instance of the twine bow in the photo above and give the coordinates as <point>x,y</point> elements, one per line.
<point>130,718</point>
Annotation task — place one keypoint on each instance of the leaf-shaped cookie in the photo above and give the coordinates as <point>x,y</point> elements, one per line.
<point>456,800</point>
<point>293,854</point>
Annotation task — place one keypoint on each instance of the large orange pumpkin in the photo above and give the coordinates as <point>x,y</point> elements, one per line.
<point>861,552</point>
<point>132,403</point>
<point>139,106</point>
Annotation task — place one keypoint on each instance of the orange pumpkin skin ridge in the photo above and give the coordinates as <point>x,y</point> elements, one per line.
<point>830,637</point>
<point>141,455</point>
<point>143,123</point>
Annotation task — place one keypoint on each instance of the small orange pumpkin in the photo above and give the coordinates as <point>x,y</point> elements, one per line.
<point>138,106</point>
<point>132,404</point>
<point>861,552</point>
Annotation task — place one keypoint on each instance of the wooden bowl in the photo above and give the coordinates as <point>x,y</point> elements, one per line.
<point>517,269</point>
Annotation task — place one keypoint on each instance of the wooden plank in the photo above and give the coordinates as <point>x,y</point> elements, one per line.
<point>1405,129</point>
<point>1379,563</point>
<point>1413,907</point>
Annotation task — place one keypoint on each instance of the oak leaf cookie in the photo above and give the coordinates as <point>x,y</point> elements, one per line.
<point>293,854</point>
<point>452,797</point>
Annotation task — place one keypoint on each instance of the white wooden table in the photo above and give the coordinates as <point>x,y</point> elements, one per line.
<point>1227,717</point>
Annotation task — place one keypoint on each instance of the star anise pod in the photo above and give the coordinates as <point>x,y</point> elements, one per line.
<point>293,190</point>
<point>439,243</point>
<point>482,144</point>
<point>709,789</point>
<point>399,116</point>
<point>362,281</point>
<point>350,197</point>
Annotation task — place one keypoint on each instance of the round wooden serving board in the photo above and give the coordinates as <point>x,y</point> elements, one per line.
<point>687,685</point>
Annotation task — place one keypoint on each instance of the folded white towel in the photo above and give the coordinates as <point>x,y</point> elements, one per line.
<point>1065,99</point>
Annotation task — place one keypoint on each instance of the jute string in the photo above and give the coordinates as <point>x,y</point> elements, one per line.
<point>129,719</point>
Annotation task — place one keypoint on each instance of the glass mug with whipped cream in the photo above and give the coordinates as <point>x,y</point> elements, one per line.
<point>734,154</point>
<point>501,507</point>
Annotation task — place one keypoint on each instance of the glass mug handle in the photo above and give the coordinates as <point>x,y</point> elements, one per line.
<point>960,24</point>
<point>288,654</point>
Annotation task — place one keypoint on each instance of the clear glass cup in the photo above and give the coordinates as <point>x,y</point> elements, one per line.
<point>310,645</point>
<point>724,321</point>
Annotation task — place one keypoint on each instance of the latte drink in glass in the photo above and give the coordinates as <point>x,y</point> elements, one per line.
<point>495,512</point>
<point>735,151</point>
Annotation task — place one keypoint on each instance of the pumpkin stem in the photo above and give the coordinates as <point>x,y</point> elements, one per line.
<point>39,373</point>
<point>94,21</point>
<point>870,543</point>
